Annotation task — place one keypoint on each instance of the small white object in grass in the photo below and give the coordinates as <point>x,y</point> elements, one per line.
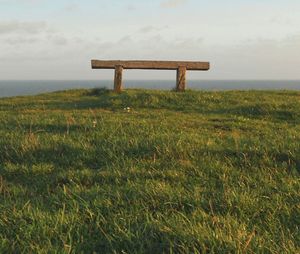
<point>127,109</point>
<point>94,123</point>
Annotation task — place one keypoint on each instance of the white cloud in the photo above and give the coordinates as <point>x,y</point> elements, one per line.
<point>8,27</point>
<point>261,43</point>
<point>151,29</point>
<point>172,3</point>
<point>16,40</point>
<point>71,7</point>
<point>130,7</point>
<point>147,29</point>
<point>59,40</point>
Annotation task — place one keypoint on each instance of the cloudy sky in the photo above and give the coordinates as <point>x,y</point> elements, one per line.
<point>56,39</point>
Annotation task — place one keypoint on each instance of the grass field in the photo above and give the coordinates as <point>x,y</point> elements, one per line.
<point>194,172</point>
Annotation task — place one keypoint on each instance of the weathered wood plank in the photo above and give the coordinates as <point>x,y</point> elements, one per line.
<point>152,65</point>
<point>181,78</point>
<point>118,79</point>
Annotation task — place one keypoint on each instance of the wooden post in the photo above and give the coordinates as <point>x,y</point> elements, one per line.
<point>181,78</point>
<point>118,78</point>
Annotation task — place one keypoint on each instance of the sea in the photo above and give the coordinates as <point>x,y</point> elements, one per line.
<point>9,88</point>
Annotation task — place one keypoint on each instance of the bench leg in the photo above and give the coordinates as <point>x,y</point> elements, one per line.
<point>181,79</point>
<point>118,79</point>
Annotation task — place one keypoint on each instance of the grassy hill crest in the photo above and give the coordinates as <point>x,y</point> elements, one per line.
<point>150,171</point>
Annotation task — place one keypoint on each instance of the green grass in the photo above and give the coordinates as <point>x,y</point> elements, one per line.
<point>194,172</point>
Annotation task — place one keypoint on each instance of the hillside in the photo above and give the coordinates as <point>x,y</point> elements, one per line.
<point>150,172</point>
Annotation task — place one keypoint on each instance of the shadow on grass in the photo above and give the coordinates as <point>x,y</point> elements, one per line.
<point>60,129</point>
<point>45,189</point>
<point>65,157</point>
<point>246,160</point>
<point>260,111</point>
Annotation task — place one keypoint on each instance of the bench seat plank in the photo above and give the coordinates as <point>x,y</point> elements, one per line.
<point>151,65</point>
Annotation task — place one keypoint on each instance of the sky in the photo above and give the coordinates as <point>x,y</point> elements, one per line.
<point>242,39</point>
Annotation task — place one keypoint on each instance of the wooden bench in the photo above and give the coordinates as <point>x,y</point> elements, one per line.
<point>180,66</point>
